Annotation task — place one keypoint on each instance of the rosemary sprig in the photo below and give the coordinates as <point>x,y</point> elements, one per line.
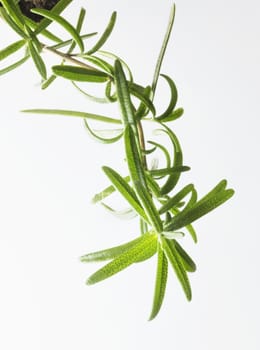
<point>161,210</point>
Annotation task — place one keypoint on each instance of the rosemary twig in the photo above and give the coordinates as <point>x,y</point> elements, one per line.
<point>164,213</point>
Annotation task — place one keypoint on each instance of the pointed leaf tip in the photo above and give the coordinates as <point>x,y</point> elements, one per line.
<point>160,282</point>
<point>144,245</point>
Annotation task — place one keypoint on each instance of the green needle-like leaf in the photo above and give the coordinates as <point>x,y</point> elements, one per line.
<point>46,83</point>
<point>141,93</point>
<point>123,95</point>
<point>188,227</point>
<point>192,232</point>
<point>163,49</point>
<point>64,23</point>
<point>176,262</point>
<point>133,158</point>
<point>173,235</point>
<point>47,34</point>
<point>220,187</point>
<point>138,178</point>
<point>99,62</point>
<point>107,192</point>
<point>14,65</point>
<point>172,116</point>
<point>160,282</point>
<point>9,50</point>
<point>126,214</point>
<point>123,63</point>
<point>98,135</point>
<point>169,171</point>
<point>103,194</point>
<point>144,107</point>
<point>69,113</point>
<point>193,199</point>
<point>105,35</point>
<point>38,61</point>
<point>177,161</point>
<point>165,152</point>
<point>145,244</point>
<point>187,261</point>
<point>153,186</point>
<point>14,12</point>
<point>143,226</point>
<point>173,100</point>
<point>18,29</point>
<point>91,97</point>
<point>80,74</point>
<point>62,43</point>
<point>147,254</point>
<point>176,199</point>
<point>126,191</point>
<point>200,209</point>
<point>110,95</point>
<point>57,9</point>
<point>81,19</point>
<point>111,253</point>
<point>149,151</point>
<point>34,39</point>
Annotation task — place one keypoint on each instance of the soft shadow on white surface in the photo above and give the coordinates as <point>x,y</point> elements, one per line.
<point>50,169</point>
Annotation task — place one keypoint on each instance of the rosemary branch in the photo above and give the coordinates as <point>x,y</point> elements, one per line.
<point>142,188</point>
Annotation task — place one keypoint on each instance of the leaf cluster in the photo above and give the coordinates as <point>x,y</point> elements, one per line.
<point>165,214</point>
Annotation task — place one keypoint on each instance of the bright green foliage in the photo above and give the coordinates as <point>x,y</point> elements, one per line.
<point>144,246</point>
<point>126,191</point>
<point>160,282</point>
<point>57,9</point>
<point>173,101</point>
<point>38,61</point>
<point>9,50</point>
<point>105,35</point>
<point>112,253</point>
<point>176,199</point>
<point>80,74</point>
<point>65,24</point>
<point>187,261</point>
<point>164,212</point>
<point>177,265</point>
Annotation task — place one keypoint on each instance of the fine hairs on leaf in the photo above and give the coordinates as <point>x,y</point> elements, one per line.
<point>150,189</point>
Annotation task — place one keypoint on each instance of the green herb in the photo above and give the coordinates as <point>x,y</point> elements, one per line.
<point>150,192</point>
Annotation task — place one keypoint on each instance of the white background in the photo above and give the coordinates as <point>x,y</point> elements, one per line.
<point>50,168</point>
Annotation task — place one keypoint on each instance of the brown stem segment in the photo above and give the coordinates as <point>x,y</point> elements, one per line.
<point>67,57</point>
